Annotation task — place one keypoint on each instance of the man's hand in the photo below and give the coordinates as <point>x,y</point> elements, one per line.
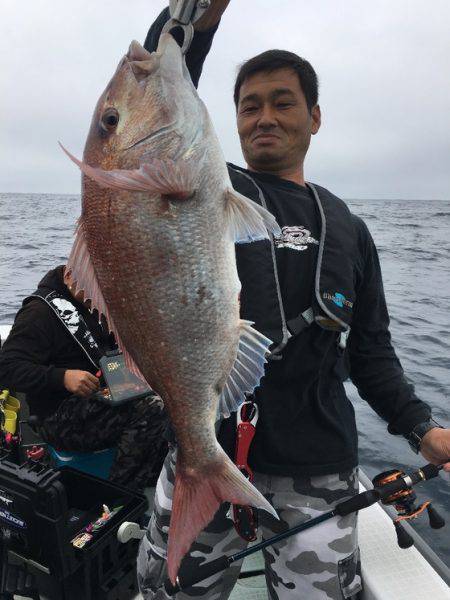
<point>211,16</point>
<point>80,383</point>
<point>435,447</point>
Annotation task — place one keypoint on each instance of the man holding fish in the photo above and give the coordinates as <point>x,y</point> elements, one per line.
<point>161,216</point>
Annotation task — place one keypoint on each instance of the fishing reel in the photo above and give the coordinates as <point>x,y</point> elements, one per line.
<point>405,503</point>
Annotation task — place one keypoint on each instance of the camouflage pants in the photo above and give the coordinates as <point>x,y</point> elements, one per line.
<point>136,428</point>
<point>320,563</point>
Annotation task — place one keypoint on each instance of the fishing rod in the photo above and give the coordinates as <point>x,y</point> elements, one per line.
<point>390,487</point>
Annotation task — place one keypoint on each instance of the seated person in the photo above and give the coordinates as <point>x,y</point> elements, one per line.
<point>52,355</point>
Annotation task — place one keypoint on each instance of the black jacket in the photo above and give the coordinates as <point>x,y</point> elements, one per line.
<point>307,424</point>
<point>39,349</point>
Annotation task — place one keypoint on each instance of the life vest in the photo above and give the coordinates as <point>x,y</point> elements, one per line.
<point>334,293</point>
<point>73,321</point>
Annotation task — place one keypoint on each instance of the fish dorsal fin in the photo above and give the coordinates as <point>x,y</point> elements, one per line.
<point>85,279</point>
<point>247,370</point>
<point>248,221</point>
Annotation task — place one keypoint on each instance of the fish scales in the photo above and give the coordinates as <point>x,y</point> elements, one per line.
<point>154,252</point>
<point>171,284</point>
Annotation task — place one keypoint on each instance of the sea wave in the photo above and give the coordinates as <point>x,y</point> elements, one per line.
<point>36,233</point>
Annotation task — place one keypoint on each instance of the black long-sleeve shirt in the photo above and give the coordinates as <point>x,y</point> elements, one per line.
<point>39,349</point>
<point>307,424</point>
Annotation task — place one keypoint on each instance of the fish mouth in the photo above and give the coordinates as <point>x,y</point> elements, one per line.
<point>138,52</point>
<point>143,63</point>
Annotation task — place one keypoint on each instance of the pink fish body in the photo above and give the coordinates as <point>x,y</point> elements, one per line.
<point>154,252</point>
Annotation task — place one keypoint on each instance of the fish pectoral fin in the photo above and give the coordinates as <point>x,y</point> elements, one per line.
<point>197,497</point>
<point>162,177</point>
<point>83,275</point>
<point>247,370</point>
<point>248,221</point>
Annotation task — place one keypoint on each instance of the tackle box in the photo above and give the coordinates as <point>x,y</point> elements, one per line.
<point>42,510</point>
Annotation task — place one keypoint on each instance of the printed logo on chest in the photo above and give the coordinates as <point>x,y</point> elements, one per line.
<point>295,237</point>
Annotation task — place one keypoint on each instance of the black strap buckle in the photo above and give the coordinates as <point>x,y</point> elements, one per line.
<point>301,322</point>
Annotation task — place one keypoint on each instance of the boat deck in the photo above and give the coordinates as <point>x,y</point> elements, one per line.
<point>389,573</point>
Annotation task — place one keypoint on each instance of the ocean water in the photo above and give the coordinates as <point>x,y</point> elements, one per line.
<point>413,239</point>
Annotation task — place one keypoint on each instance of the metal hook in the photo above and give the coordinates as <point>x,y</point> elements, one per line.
<point>188,11</point>
<point>183,14</point>
<point>188,32</point>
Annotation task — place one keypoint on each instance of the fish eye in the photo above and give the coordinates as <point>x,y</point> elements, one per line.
<point>110,119</point>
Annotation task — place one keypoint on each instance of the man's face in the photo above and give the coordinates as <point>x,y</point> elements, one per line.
<point>273,120</point>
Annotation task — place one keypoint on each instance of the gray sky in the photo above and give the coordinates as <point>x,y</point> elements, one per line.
<point>383,67</point>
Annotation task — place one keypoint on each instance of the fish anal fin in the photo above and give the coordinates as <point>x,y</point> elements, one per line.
<point>83,275</point>
<point>248,368</point>
<point>198,496</point>
<point>248,221</point>
<point>174,179</point>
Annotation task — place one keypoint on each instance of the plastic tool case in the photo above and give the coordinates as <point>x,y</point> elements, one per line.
<point>41,511</point>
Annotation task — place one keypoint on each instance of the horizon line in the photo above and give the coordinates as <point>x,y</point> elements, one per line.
<point>343,197</point>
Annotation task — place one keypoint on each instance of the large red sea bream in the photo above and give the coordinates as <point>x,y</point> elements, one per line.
<point>154,251</point>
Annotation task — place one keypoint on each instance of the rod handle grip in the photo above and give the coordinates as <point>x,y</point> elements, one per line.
<point>201,573</point>
<point>362,500</point>
<point>429,471</point>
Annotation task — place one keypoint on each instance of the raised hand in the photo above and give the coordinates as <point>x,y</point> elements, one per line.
<point>435,447</point>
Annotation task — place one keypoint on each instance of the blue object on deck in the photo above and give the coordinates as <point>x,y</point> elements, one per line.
<point>97,463</point>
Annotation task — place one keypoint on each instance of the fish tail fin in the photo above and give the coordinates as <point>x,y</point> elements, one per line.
<point>198,496</point>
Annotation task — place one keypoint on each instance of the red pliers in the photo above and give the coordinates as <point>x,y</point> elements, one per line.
<point>245,517</point>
